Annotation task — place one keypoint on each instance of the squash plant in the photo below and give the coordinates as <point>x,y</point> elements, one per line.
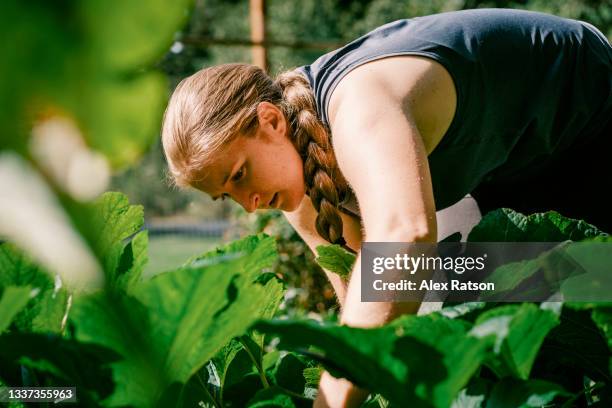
<point>194,336</point>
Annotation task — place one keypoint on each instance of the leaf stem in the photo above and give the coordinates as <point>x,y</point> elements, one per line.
<point>207,390</point>
<point>262,375</point>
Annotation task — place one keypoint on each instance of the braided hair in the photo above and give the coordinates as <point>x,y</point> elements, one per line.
<point>325,184</point>
<point>210,108</point>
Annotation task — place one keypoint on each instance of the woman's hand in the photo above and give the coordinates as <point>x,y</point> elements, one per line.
<point>338,393</point>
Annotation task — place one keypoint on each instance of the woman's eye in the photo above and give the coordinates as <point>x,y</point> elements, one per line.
<point>239,174</point>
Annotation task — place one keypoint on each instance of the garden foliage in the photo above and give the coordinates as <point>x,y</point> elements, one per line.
<point>196,334</point>
<point>79,99</point>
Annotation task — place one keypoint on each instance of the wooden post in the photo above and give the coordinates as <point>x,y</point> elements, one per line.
<point>257,11</point>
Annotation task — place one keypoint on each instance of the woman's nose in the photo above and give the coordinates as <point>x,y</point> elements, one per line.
<point>250,201</point>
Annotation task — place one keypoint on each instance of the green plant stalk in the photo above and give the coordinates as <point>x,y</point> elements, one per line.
<point>262,375</point>
<point>217,404</point>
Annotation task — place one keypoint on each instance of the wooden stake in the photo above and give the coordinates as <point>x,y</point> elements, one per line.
<point>257,11</point>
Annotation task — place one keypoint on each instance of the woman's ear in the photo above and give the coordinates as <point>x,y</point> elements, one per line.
<point>272,121</point>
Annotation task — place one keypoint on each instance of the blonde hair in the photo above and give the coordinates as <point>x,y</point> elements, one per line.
<point>212,107</point>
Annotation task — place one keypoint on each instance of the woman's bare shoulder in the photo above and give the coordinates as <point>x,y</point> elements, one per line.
<point>422,86</point>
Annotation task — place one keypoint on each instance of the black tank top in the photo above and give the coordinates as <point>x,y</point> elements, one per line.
<point>528,85</point>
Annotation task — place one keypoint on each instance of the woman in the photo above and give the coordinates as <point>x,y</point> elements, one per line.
<point>511,106</point>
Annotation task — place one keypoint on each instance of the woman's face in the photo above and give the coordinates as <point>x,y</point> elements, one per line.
<point>260,171</point>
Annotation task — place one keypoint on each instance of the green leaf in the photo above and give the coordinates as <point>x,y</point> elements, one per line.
<point>132,262</point>
<point>49,310</point>
<point>335,259</point>
<point>263,255</point>
<point>121,118</point>
<point>506,225</point>
<point>224,358</point>
<point>17,269</point>
<point>125,35</point>
<point>260,247</point>
<point>242,380</point>
<point>512,393</point>
<point>14,298</point>
<point>578,270</point>
<point>273,397</point>
<point>123,324</point>
<point>58,362</point>
<point>603,318</point>
<point>115,220</point>
<point>588,271</point>
<point>176,321</point>
<point>520,332</point>
<point>572,350</point>
<point>288,373</point>
<point>47,307</point>
<point>417,361</point>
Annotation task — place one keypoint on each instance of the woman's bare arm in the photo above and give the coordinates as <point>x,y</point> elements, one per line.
<point>384,125</point>
<point>303,221</point>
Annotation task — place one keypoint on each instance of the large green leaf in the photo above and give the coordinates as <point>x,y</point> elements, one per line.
<point>130,34</point>
<point>86,61</point>
<point>133,261</point>
<point>56,361</point>
<point>506,225</point>
<point>512,393</point>
<point>574,349</point>
<point>578,270</point>
<point>17,269</point>
<point>222,361</point>
<point>520,332</point>
<point>288,372</point>
<point>418,361</point>
<point>242,380</point>
<point>122,323</point>
<point>260,247</point>
<point>121,118</point>
<point>177,321</point>
<point>263,255</point>
<point>115,220</point>
<point>12,300</point>
<point>46,308</point>
<point>591,280</point>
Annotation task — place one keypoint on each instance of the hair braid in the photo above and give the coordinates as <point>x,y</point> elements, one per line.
<point>326,186</point>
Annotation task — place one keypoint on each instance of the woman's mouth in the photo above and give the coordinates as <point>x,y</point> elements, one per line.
<point>274,202</point>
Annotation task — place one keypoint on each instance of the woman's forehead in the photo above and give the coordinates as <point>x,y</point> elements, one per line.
<point>215,174</point>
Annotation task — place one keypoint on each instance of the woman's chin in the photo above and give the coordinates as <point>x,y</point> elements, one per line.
<point>287,204</point>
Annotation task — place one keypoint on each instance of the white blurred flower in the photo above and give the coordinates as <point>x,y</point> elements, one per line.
<point>32,218</point>
<point>57,145</point>
<point>177,47</point>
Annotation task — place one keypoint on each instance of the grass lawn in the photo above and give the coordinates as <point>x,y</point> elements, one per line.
<point>167,252</point>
